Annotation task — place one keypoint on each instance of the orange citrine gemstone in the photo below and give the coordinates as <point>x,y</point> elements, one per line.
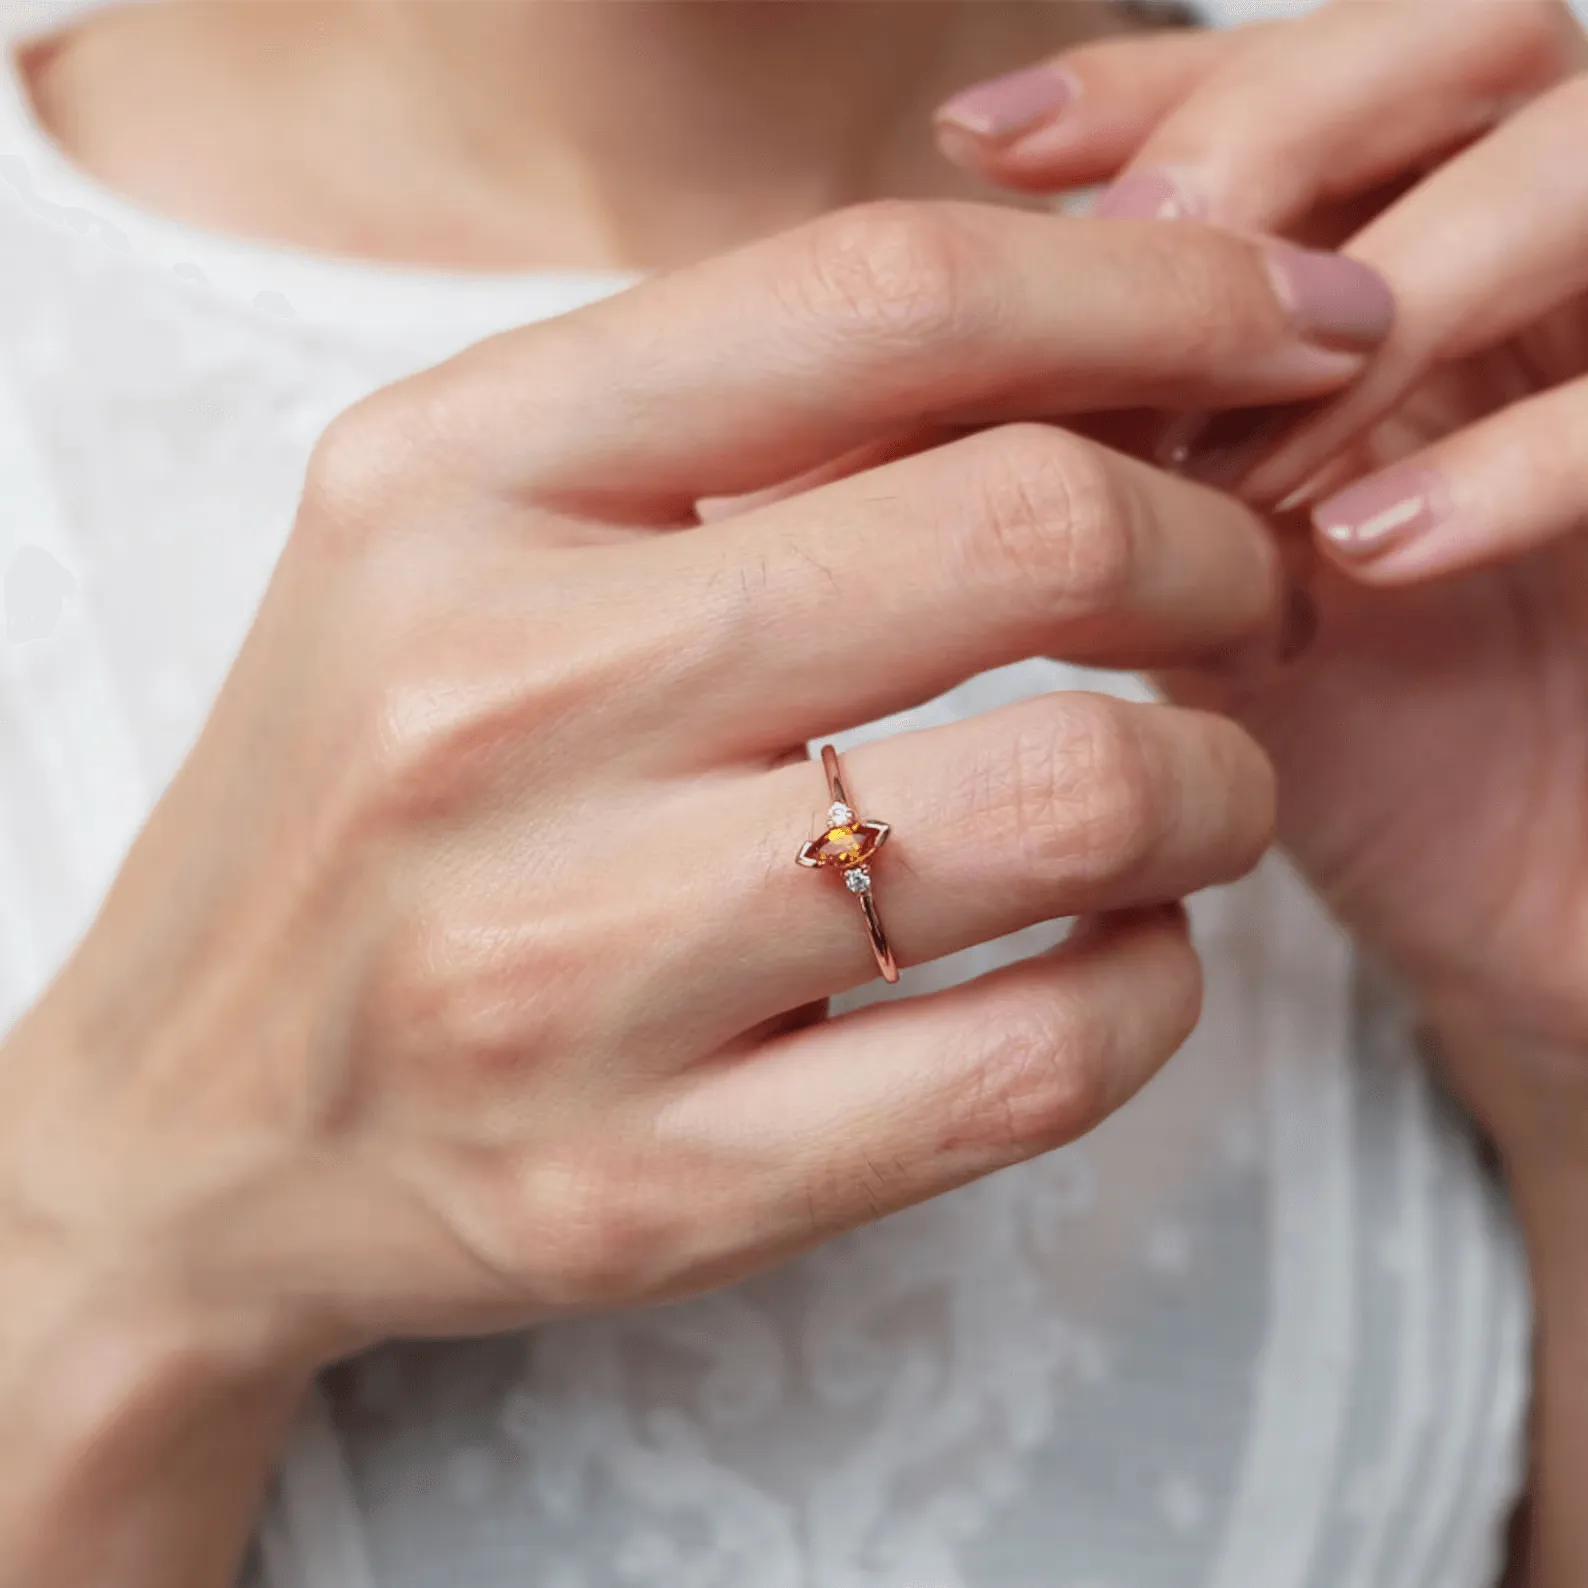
<point>845,846</point>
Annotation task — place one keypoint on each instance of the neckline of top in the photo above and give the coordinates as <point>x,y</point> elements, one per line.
<point>285,282</point>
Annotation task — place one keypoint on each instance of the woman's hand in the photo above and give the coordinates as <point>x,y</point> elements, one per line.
<point>1431,749</point>
<point>1432,746</point>
<point>464,976</point>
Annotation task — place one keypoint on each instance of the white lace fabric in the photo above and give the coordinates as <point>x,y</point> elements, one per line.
<point>1265,1329</point>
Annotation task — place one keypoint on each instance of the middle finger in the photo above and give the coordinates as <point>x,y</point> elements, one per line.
<point>876,592</point>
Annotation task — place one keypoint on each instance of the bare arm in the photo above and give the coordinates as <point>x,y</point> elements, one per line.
<point>1430,745</point>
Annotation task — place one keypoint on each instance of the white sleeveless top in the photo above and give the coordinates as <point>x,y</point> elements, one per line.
<point>1265,1329</point>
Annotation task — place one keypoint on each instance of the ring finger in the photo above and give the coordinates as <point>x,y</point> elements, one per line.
<point>1065,804</point>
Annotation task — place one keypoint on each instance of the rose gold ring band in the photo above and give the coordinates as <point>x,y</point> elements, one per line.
<point>847,846</point>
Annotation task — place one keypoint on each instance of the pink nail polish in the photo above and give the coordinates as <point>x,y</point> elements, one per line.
<point>1332,298</point>
<point>1163,194</point>
<point>1373,517</point>
<point>1005,107</point>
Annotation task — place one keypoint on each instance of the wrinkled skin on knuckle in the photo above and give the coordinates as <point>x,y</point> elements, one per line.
<point>1082,799</point>
<point>1043,1081</point>
<point>888,278</point>
<point>856,1187</point>
<point>1063,1062</point>
<point>1055,522</point>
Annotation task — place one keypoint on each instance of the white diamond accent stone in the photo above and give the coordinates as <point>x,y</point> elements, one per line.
<point>840,816</point>
<point>858,879</point>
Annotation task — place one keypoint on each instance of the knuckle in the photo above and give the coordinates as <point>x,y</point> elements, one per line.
<point>603,1233</point>
<point>859,1189</point>
<point>441,726</point>
<point>1085,802</point>
<point>426,749</point>
<point>474,1003</point>
<point>584,1225</point>
<point>386,458</point>
<point>357,463</point>
<point>1059,521</point>
<point>1063,1058</point>
<point>1043,1081</point>
<point>894,273</point>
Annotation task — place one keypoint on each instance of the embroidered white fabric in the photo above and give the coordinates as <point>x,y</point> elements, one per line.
<point>1266,1329</point>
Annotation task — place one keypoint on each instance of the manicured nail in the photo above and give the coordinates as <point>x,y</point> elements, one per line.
<point>1298,498</point>
<point>1005,107</point>
<point>1332,298</point>
<point>1378,514</point>
<point>1162,194</point>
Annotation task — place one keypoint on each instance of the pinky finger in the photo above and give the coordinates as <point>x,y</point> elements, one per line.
<point>879,1109</point>
<point>1501,488</point>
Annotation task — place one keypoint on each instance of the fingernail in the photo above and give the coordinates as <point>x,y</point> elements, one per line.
<point>1332,298</point>
<point>1378,514</point>
<point>1005,107</point>
<point>1161,194</point>
<point>1298,498</point>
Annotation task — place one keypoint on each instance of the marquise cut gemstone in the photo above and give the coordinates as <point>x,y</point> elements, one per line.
<point>845,846</point>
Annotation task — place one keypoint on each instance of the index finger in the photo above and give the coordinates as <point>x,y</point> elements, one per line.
<point>1338,103</point>
<point>751,368</point>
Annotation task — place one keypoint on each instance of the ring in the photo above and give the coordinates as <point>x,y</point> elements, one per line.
<point>848,845</point>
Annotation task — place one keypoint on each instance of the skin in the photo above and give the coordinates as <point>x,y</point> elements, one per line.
<point>148,1379</point>
<point>1430,747</point>
<point>513,1007</point>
